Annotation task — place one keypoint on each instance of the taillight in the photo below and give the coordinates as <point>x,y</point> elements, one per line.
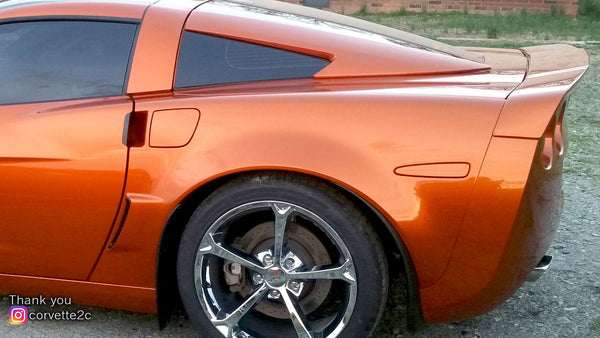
<point>548,151</point>
<point>554,142</point>
<point>559,140</point>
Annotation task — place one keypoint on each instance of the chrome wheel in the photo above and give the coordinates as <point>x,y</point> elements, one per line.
<point>276,262</point>
<point>280,255</point>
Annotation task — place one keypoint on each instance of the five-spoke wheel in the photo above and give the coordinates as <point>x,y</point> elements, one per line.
<point>266,256</point>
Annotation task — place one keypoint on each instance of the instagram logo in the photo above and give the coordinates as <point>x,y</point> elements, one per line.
<point>18,315</point>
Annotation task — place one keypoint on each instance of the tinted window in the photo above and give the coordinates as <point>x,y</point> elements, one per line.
<point>210,60</point>
<point>59,60</point>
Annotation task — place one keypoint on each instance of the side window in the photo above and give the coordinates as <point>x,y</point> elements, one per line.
<point>61,60</point>
<point>210,60</point>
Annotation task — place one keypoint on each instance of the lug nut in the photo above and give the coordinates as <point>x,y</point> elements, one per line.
<point>274,294</point>
<point>258,279</point>
<point>289,264</point>
<point>268,259</point>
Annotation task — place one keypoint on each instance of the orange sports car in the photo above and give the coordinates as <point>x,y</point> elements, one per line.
<point>268,165</point>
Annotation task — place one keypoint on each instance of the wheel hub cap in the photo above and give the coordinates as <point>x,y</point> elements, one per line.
<point>275,277</point>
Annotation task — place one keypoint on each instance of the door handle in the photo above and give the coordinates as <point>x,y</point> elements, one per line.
<point>134,129</point>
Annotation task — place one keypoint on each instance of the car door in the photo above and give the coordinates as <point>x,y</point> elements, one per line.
<point>62,160</point>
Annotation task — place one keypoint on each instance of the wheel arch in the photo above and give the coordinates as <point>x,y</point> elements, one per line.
<point>168,298</point>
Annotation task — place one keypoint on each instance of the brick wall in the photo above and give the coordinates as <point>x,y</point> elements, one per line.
<point>472,6</point>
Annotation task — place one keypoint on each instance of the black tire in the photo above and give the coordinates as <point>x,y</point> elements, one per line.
<point>320,230</point>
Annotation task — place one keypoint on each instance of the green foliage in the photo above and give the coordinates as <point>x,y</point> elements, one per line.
<point>517,26</point>
<point>492,32</point>
<point>589,9</point>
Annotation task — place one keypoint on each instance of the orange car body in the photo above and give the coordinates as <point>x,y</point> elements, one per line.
<point>460,157</point>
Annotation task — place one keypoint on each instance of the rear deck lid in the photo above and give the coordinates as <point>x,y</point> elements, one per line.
<point>552,72</point>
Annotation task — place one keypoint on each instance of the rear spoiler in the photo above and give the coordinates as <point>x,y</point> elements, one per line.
<point>552,72</point>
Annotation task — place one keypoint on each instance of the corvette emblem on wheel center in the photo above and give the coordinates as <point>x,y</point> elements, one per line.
<point>275,277</point>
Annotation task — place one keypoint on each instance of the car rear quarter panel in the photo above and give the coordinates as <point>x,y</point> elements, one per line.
<point>355,139</point>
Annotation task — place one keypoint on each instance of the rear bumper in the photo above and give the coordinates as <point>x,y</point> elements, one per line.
<point>509,225</point>
<point>517,198</point>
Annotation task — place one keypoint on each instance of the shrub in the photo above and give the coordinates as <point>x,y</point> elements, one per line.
<point>589,8</point>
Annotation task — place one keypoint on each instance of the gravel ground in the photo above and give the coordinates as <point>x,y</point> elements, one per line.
<point>565,302</point>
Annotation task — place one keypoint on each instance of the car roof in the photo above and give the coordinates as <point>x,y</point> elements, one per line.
<point>133,9</point>
<point>16,3</point>
<point>355,48</point>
